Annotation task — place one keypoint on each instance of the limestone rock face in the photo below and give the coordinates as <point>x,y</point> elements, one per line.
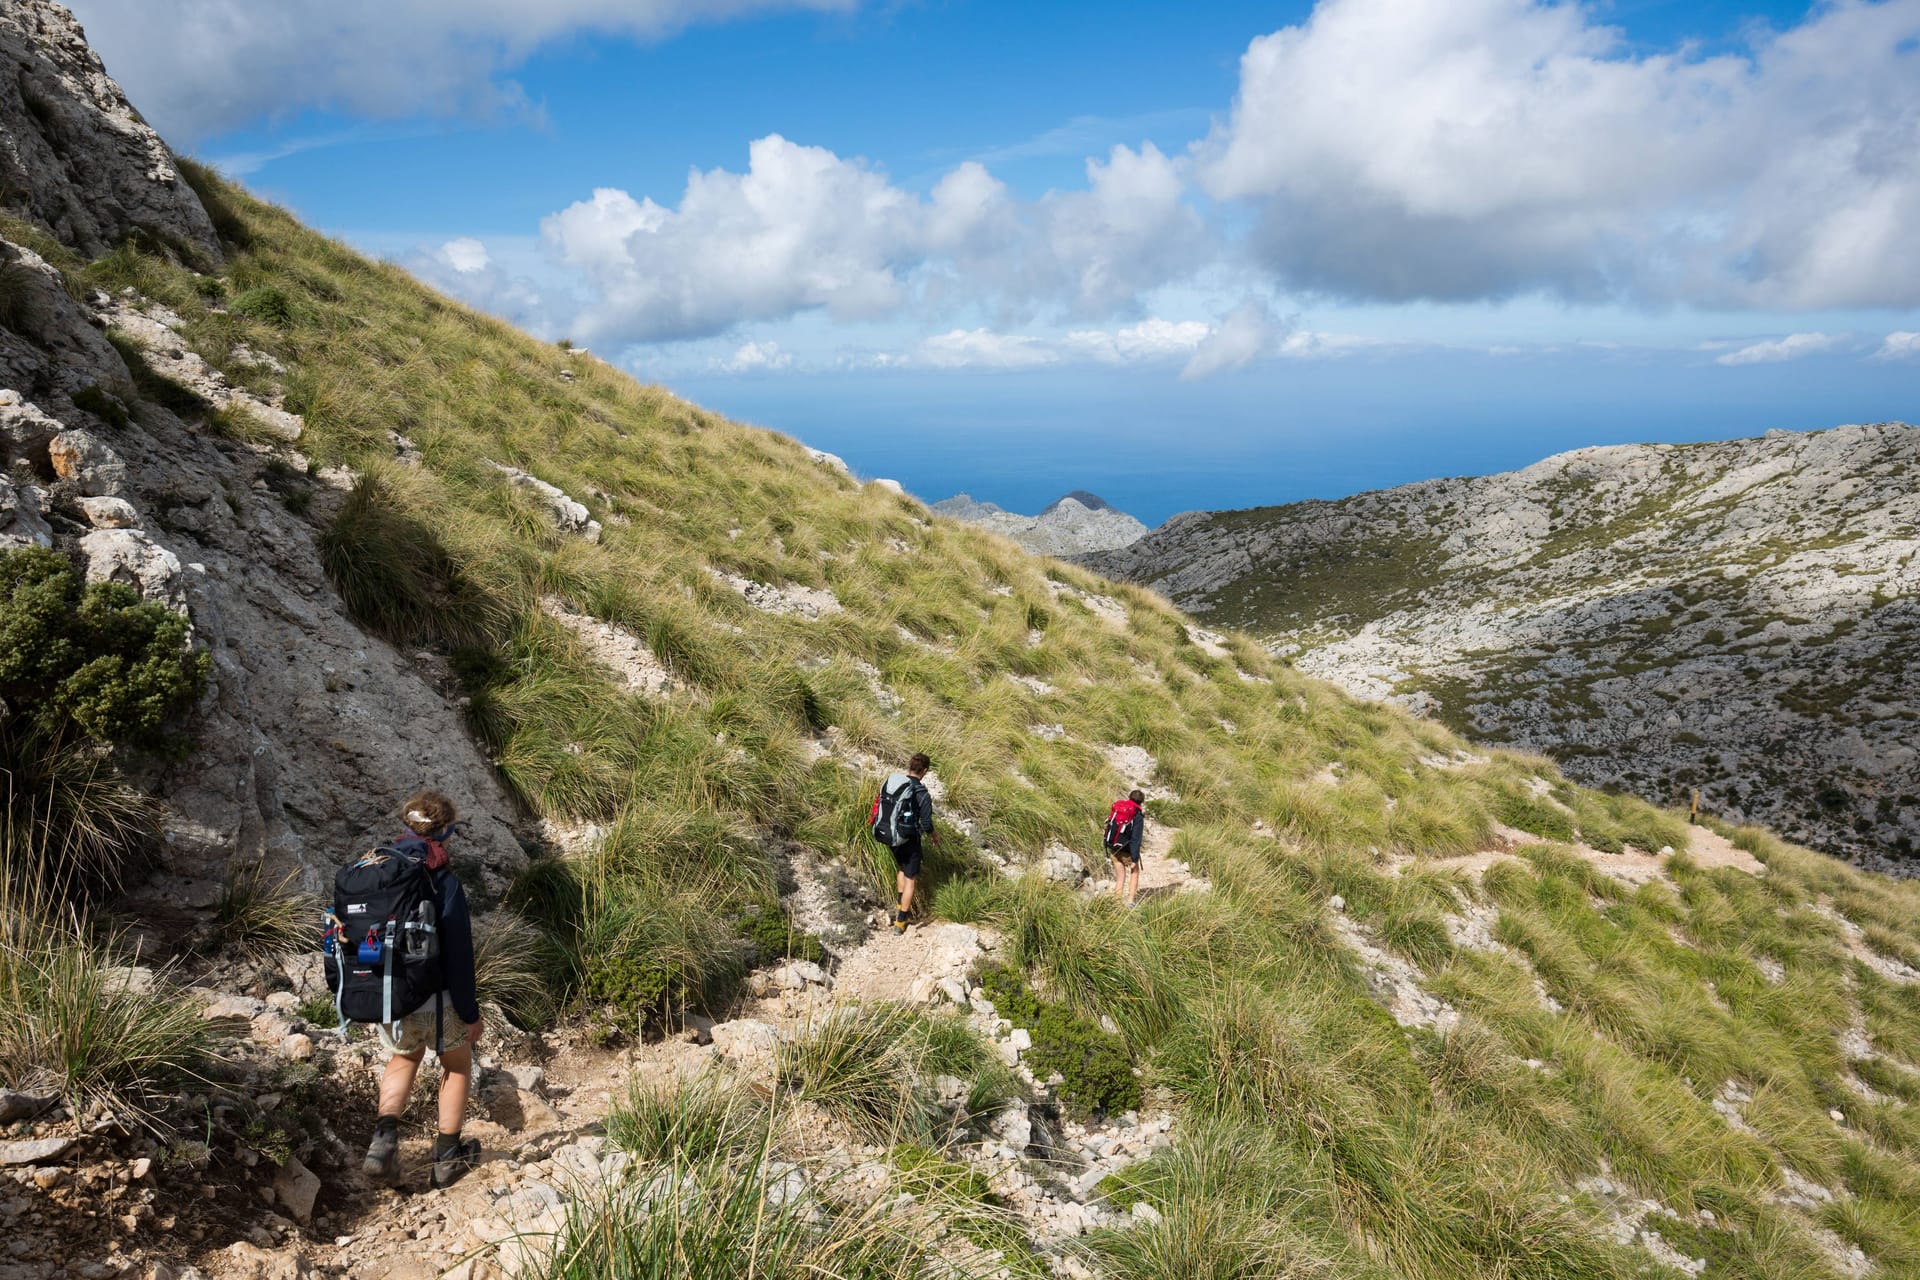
<point>1075,525</point>
<point>1738,617</point>
<point>311,732</point>
<point>74,155</point>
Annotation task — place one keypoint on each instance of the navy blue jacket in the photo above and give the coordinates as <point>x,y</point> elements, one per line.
<point>456,934</point>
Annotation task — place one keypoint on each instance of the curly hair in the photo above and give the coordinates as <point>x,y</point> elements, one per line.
<point>427,811</point>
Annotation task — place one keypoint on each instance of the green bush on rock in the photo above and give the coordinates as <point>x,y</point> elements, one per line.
<point>1094,1063</point>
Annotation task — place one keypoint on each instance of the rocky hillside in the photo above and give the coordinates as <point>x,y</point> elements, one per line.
<point>1388,1005</point>
<point>1075,524</point>
<point>1739,617</point>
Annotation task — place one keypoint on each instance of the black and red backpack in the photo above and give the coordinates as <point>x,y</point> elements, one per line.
<point>1120,820</point>
<point>382,940</point>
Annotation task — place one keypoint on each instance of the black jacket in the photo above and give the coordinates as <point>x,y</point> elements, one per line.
<point>456,934</point>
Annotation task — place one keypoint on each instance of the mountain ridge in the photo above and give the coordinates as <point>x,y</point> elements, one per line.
<point>1757,594</point>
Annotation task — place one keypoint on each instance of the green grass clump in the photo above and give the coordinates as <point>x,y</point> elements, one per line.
<point>713,1200</point>
<point>69,1023</point>
<point>1098,1073</point>
<point>266,303</point>
<point>260,919</point>
<point>872,1067</point>
<point>1536,815</point>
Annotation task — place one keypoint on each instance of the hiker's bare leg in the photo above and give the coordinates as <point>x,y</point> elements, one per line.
<point>1120,879</point>
<point>456,1081</point>
<point>1133,881</point>
<point>904,883</point>
<point>396,1085</point>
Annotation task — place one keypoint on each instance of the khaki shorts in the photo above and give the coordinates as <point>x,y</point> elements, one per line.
<point>414,1032</point>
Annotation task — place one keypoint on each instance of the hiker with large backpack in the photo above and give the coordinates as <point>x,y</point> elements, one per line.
<point>1125,831</point>
<point>399,955</point>
<point>901,814</point>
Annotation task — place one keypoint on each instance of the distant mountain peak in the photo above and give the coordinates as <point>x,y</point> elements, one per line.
<point>1074,524</point>
<point>1091,501</point>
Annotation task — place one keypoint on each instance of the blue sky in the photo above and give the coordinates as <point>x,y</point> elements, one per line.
<point>1181,255</point>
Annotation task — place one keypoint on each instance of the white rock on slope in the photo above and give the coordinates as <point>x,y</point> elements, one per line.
<point>74,154</point>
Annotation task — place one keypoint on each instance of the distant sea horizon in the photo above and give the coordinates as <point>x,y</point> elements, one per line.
<point>1313,431</point>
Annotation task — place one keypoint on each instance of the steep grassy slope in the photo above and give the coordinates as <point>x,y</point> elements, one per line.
<point>1512,1135</point>
<point>1736,617</point>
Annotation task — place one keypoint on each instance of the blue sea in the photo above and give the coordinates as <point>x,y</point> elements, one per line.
<point>1154,446</point>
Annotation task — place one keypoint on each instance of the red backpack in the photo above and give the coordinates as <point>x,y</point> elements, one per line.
<point>1120,820</point>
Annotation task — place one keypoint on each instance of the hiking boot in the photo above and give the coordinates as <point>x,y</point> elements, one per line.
<point>899,922</point>
<point>452,1158</point>
<point>383,1153</point>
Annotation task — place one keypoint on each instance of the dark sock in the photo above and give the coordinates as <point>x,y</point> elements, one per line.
<point>387,1124</point>
<point>445,1144</point>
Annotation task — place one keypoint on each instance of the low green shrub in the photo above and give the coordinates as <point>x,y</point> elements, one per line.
<point>1094,1063</point>
<point>265,303</point>
<point>773,936</point>
<point>83,670</point>
<point>93,660</point>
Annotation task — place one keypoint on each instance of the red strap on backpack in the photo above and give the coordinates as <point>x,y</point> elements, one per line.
<point>436,859</point>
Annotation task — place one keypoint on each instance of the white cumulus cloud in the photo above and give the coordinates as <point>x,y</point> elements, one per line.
<point>757,357</point>
<point>464,268</point>
<point>197,67</point>
<point>1899,345</point>
<point>1791,347</point>
<point>1246,334</point>
<point>804,229</point>
<point>466,255</point>
<point>1486,148</point>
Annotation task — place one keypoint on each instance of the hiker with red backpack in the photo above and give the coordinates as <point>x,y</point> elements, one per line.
<point>901,814</point>
<point>399,955</point>
<point>1125,831</point>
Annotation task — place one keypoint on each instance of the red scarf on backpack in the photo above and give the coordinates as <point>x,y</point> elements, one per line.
<point>436,859</point>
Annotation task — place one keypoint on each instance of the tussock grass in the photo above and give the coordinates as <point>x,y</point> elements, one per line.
<point>69,1022</point>
<point>872,1068</point>
<point>1385,1151</point>
<point>717,1203</point>
<point>262,919</point>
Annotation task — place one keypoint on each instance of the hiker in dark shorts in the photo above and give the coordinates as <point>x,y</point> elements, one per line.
<point>1126,830</point>
<point>905,809</point>
<point>452,1017</point>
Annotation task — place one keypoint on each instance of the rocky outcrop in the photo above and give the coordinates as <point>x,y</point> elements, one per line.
<point>1736,617</point>
<point>74,154</point>
<point>311,732</point>
<point>1076,524</point>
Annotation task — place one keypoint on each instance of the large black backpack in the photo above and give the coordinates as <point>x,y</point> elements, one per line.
<point>896,813</point>
<point>382,945</point>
